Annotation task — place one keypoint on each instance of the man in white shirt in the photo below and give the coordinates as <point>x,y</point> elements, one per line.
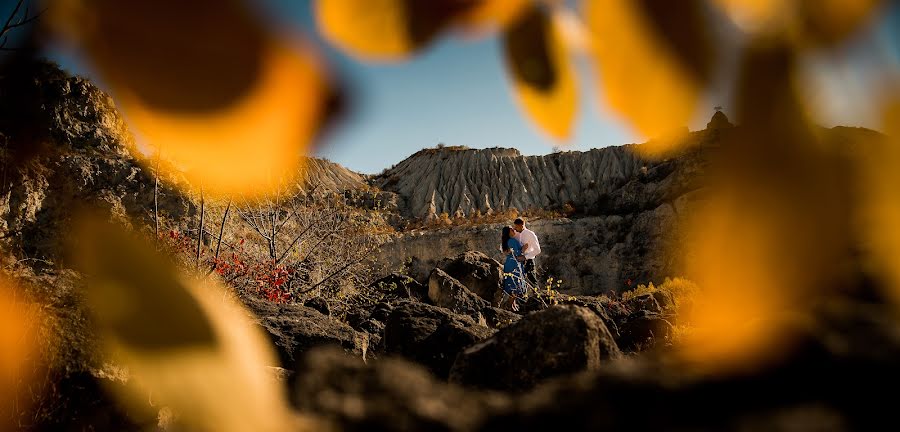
<point>529,238</point>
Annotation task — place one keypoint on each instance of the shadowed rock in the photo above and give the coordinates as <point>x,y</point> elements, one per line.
<point>497,318</point>
<point>447,292</point>
<point>319,304</point>
<point>479,273</point>
<point>603,310</point>
<point>387,395</point>
<point>430,336</point>
<point>643,329</point>
<point>398,286</point>
<point>294,329</point>
<point>558,341</point>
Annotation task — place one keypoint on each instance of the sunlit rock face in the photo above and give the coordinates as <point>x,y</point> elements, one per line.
<point>460,181</point>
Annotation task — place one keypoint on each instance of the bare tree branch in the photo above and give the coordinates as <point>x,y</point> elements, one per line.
<point>336,272</point>
<point>200,231</point>
<point>11,22</point>
<point>11,17</point>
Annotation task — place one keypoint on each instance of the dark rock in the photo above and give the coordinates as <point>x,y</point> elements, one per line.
<point>387,395</point>
<point>643,302</point>
<point>664,299</point>
<point>558,341</point>
<point>430,336</point>
<point>319,304</point>
<point>378,312</point>
<point>643,329</point>
<point>447,292</point>
<point>598,307</point>
<point>397,286</point>
<point>382,311</point>
<point>532,304</point>
<point>498,318</point>
<point>295,328</point>
<point>371,320</point>
<point>479,273</point>
<point>830,377</point>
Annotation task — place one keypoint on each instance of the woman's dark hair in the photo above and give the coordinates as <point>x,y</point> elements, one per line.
<point>505,238</point>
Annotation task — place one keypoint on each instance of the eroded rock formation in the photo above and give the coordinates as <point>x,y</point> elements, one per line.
<point>464,181</point>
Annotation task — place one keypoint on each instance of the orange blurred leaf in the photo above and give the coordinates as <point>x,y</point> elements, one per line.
<point>652,63</point>
<point>540,68</point>
<point>391,30</point>
<point>682,28</point>
<point>493,14</point>
<point>186,343</point>
<point>807,22</point>
<point>19,352</point>
<point>229,105</point>
<point>882,204</point>
<point>767,245</point>
<point>183,57</point>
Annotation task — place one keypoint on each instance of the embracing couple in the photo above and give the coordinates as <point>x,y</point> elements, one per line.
<point>520,245</point>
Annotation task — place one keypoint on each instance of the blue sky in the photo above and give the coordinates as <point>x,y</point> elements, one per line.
<point>456,93</point>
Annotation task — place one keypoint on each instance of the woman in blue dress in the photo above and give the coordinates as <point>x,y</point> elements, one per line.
<point>513,275</point>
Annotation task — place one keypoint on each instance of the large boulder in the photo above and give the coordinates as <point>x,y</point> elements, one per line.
<point>497,318</point>
<point>386,395</point>
<point>371,320</point>
<point>398,286</point>
<point>430,336</point>
<point>644,329</point>
<point>647,302</point>
<point>447,292</point>
<point>557,341</point>
<point>295,328</point>
<point>600,307</point>
<point>480,273</point>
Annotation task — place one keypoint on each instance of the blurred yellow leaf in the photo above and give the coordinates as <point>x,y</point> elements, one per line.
<point>226,103</point>
<point>185,57</point>
<point>493,14</point>
<point>882,210</point>
<point>19,353</point>
<point>391,30</point>
<point>757,15</point>
<point>187,344</point>
<point>765,248</point>
<point>643,76</point>
<point>541,71</point>
<point>808,22</point>
<point>682,28</point>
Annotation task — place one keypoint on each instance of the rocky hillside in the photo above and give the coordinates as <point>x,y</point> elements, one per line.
<point>327,175</point>
<point>77,152</point>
